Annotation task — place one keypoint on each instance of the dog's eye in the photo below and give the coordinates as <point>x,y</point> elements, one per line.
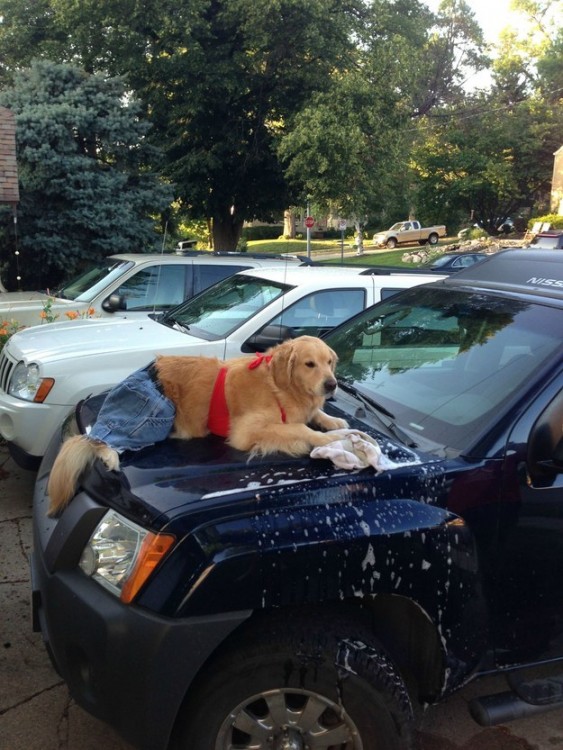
<point>310,364</point>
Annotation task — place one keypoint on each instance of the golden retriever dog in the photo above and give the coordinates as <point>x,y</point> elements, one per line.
<point>261,403</point>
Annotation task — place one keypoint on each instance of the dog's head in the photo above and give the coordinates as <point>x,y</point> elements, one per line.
<point>306,364</point>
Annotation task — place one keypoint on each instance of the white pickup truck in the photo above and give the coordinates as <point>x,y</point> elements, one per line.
<point>409,231</point>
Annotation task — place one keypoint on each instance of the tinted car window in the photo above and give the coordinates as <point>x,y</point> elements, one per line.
<point>445,363</point>
<point>217,311</point>
<point>321,311</point>
<point>207,275</point>
<point>92,280</point>
<point>155,288</point>
<point>461,261</point>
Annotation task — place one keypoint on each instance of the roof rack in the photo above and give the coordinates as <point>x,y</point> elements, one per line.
<point>263,256</point>
<point>388,270</point>
<point>190,251</point>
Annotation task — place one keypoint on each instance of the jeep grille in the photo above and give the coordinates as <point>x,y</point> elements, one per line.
<point>6,368</point>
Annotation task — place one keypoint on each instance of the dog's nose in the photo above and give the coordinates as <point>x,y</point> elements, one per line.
<point>330,385</point>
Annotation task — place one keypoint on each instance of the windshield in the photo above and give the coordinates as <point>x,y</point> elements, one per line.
<point>445,362</point>
<point>85,287</point>
<point>548,243</point>
<point>225,306</point>
<point>441,261</point>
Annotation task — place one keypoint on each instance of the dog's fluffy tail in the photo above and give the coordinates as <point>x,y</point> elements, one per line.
<point>76,455</point>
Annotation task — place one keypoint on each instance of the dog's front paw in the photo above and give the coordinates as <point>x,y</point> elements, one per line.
<point>324,438</point>
<point>333,423</point>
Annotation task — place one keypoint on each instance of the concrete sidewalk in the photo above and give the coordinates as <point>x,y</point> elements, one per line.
<point>36,712</point>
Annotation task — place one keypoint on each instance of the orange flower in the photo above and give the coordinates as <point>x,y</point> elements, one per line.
<point>71,314</point>
<point>91,310</point>
<point>43,314</point>
<point>3,331</point>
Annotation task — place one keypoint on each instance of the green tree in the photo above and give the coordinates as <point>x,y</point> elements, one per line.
<point>350,146</point>
<point>529,57</point>
<point>453,52</point>
<point>95,35</point>
<point>221,88</point>
<point>258,103</point>
<point>85,191</point>
<point>223,80</point>
<point>487,161</point>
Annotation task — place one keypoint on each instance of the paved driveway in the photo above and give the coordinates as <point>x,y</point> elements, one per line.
<point>36,712</point>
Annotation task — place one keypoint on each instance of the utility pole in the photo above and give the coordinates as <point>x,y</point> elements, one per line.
<point>309,221</point>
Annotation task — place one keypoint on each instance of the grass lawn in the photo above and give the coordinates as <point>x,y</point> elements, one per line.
<point>326,248</point>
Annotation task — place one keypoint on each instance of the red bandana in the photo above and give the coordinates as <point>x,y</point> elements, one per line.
<point>218,417</point>
<point>267,358</point>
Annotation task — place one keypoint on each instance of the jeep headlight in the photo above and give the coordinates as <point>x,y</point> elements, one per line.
<point>121,555</point>
<point>27,384</point>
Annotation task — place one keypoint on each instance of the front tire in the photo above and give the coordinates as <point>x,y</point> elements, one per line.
<point>296,689</point>
<point>391,243</point>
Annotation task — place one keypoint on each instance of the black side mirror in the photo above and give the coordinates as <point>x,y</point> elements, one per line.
<point>545,444</point>
<point>267,337</point>
<point>555,463</point>
<point>114,302</point>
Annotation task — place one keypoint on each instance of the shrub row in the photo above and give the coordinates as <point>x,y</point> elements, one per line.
<point>267,232</point>
<point>556,220</point>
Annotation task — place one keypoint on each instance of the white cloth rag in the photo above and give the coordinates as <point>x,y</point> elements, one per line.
<point>355,451</point>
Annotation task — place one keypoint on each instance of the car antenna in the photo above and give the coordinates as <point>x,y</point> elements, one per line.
<point>160,267</point>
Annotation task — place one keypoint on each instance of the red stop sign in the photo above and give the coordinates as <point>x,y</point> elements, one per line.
<point>309,222</point>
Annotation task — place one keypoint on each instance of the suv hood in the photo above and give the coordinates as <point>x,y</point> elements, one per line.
<point>181,484</point>
<point>11,302</point>
<point>178,478</point>
<point>59,341</point>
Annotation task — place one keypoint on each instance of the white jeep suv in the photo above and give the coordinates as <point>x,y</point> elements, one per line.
<point>46,370</point>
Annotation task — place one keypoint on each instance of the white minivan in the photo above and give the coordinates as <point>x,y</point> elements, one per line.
<point>46,370</point>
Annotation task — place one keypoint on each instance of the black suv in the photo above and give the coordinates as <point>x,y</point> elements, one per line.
<point>205,600</point>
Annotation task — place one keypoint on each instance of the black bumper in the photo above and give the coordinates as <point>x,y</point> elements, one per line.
<point>24,460</point>
<point>125,665</point>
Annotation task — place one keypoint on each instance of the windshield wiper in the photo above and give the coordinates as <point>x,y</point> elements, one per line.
<point>172,322</point>
<point>376,409</point>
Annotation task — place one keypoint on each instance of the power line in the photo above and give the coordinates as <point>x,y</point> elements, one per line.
<point>479,111</point>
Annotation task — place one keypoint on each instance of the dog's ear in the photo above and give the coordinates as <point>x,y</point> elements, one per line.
<point>334,356</point>
<point>282,362</point>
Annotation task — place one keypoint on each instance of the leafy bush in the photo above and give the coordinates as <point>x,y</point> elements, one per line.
<point>556,221</point>
<point>7,329</point>
<point>194,229</point>
<point>475,233</point>
<point>46,315</point>
<point>269,232</point>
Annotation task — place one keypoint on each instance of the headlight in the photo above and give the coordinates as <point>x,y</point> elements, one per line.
<point>26,383</point>
<point>122,555</point>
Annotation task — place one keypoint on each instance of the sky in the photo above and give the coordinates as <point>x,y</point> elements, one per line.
<point>491,15</point>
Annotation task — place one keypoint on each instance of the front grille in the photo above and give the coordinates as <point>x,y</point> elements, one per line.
<point>7,365</point>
